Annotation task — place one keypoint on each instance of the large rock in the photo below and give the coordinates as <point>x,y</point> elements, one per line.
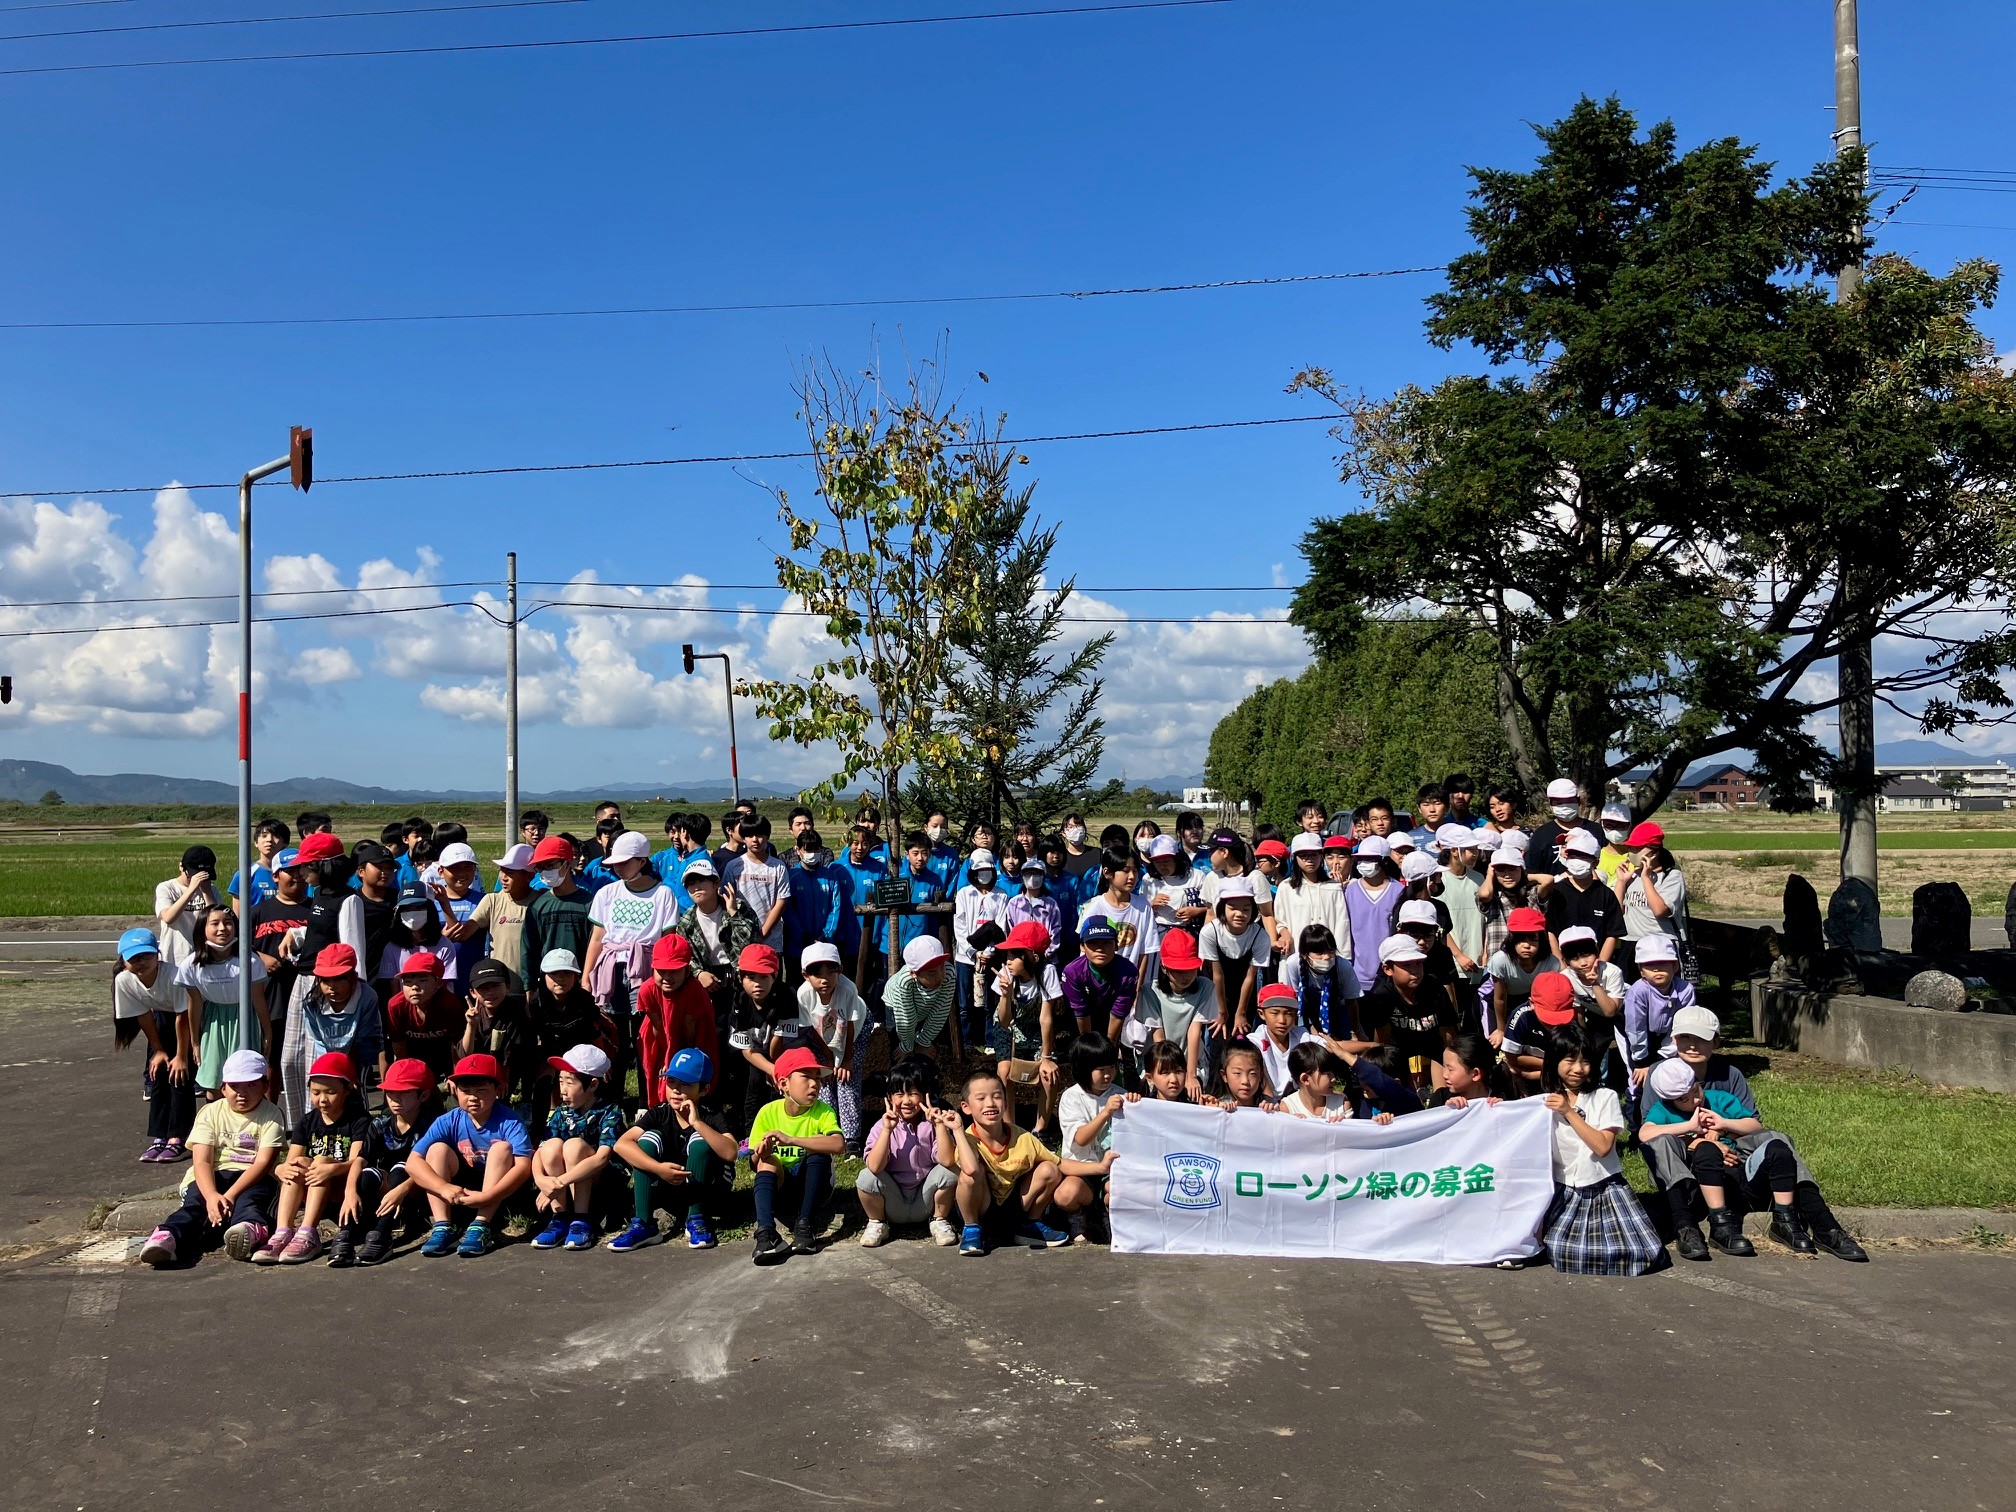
<point>1942,921</point>
<point>1936,989</point>
<point>1854,918</point>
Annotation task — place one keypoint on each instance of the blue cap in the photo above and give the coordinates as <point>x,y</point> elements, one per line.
<point>1098,931</point>
<point>288,857</point>
<point>691,1066</point>
<point>138,942</point>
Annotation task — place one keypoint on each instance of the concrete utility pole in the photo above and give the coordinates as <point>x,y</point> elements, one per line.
<point>689,656</point>
<point>511,700</point>
<point>1855,668</point>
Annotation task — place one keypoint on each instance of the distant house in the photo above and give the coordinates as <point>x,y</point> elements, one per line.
<point>1914,795</point>
<point>1715,785</point>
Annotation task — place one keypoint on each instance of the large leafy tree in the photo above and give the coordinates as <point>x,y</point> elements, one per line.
<point>1693,476</point>
<point>1021,703</point>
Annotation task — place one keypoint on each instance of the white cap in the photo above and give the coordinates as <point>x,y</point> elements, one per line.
<point>1455,837</point>
<point>1419,864</point>
<point>559,960</point>
<point>1616,816</point>
<point>1400,947</point>
<point>982,859</point>
<point>923,951</point>
<point>1509,855</point>
<point>1485,840</point>
<point>1697,1021</point>
<point>1034,864</point>
<point>1372,847</point>
<point>1514,838</point>
<point>1577,934</point>
<point>463,855</point>
<point>587,1060</point>
<point>1656,948</point>
<point>517,858</point>
<point>1419,911</point>
<point>1305,842</point>
<point>818,953</point>
<point>629,846</point>
<point>1401,840</point>
<point>1163,845</point>
<point>1581,843</point>
<point>244,1066</point>
<point>1235,887</point>
<point>1563,790</point>
<point>699,866</point>
<point>1671,1078</point>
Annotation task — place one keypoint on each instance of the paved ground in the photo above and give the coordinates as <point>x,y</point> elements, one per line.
<point>908,1377</point>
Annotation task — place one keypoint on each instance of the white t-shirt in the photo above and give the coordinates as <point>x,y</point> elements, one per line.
<point>628,918</point>
<point>1075,1109</point>
<point>133,998</point>
<point>1609,975</point>
<point>1263,891</point>
<point>1296,908</point>
<point>969,909</point>
<point>830,1021</point>
<point>1049,985</point>
<point>1217,943</point>
<point>1517,979</point>
<point>1275,1060</point>
<point>178,935</point>
<point>1335,1107</point>
<point>1136,928</point>
<point>1575,1164</point>
<point>218,981</point>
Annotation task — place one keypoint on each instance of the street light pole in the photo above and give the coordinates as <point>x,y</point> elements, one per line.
<point>298,462</point>
<point>691,656</point>
<point>511,701</point>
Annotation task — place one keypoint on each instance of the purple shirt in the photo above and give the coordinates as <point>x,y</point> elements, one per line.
<point>913,1151</point>
<point>1371,922</point>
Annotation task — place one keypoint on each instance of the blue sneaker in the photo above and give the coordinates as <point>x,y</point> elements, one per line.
<point>634,1236</point>
<point>698,1234</point>
<point>972,1241</point>
<point>1041,1236</point>
<point>440,1240</point>
<point>476,1241</point>
<point>550,1236</point>
<point>579,1235</point>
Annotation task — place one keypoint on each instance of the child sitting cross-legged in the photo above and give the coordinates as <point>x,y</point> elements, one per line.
<point>910,1170</point>
<point>1007,1177</point>
<point>792,1144</point>
<point>228,1191</point>
<point>325,1159</point>
<point>473,1156</point>
<point>673,1153</point>
<point>580,1136</point>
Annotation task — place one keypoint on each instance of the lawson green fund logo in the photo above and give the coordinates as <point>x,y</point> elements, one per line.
<point>1193,1182</point>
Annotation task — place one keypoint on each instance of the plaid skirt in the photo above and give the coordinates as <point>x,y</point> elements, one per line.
<point>1600,1230</point>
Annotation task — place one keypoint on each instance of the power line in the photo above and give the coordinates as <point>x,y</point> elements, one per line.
<point>42,5</point>
<point>761,587</point>
<point>271,593</point>
<point>567,467</point>
<point>636,38</point>
<point>713,309</point>
<point>410,10</point>
<point>257,619</point>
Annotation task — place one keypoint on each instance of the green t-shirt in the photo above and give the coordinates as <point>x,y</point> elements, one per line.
<point>777,1118</point>
<point>1726,1104</point>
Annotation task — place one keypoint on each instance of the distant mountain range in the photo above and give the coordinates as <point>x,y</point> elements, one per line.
<point>1900,752</point>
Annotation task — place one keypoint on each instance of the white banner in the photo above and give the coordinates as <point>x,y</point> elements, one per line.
<point>1448,1187</point>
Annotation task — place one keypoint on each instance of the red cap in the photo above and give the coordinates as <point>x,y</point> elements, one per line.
<point>1179,951</point>
<point>1646,833</point>
<point>475,1067</point>
<point>1553,999</point>
<point>412,1075</point>
<point>1276,992</point>
<point>757,960</point>
<point>1275,848</point>
<point>670,953</point>
<point>335,961</point>
<point>799,1059</point>
<point>1028,935</point>
<point>1526,921</point>
<point>317,847</point>
<point>334,1064</point>
<point>421,961</point>
<point>1337,842</point>
<point>552,848</point>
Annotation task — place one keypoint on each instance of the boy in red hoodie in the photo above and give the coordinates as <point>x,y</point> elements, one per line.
<point>676,1015</point>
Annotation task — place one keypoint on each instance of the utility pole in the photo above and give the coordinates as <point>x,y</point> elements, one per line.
<point>511,700</point>
<point>689,656</point>
<point>1855,669</point>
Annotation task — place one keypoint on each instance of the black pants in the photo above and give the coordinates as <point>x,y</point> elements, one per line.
<point>196,1235</point>
<point>371,1188</point>
<point>171,1110</point>
<point>1777,1171</point>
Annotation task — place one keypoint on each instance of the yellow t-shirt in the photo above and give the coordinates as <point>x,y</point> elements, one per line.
<point>1025,1152</point>
<point>237,1138</point>
<point>1608,862</point>
<point>777,1118</point>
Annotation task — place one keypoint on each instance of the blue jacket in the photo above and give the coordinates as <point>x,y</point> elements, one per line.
<point>821,907</point>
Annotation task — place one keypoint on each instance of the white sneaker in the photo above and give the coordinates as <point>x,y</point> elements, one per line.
<point>877,1232</point>
<point>943,1234</point>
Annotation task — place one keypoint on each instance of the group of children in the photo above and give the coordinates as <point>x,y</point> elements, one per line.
<point>1366,967</point>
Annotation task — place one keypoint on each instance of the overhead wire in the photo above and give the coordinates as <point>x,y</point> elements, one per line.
<point>353,15</point>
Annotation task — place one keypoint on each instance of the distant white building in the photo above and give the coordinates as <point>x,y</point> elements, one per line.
<point>1914,795</point>
<point>1200,798</point>
<point>1988,784</point>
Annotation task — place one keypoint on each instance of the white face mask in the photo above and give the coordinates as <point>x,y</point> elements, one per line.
<point>1370,869</point>
<point>415,918</point>
<point>1616,836</point>
<point>1578,866</point>
<point>1075,835</point>
<point>936,832</point>
<point>1566,811</point>
<point>552,876</point>
<point>1032,884</point>
<point>1321,964</point>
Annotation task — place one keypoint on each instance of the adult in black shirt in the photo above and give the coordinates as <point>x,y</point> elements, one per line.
<point>1579,897</point>
<point>1564,806</point>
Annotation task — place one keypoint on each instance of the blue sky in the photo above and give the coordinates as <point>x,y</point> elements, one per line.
<point>1263,137</point>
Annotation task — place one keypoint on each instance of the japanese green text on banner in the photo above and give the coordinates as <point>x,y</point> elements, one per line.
<point>1450,1187</point>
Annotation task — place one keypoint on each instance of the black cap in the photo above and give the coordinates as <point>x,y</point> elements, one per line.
<point>371,853</point>
<point>489,969</point>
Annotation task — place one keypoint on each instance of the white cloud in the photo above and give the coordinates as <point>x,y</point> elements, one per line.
<point>321,665</point>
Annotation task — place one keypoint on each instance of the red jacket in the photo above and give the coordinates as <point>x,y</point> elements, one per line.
<point>684,1021</point>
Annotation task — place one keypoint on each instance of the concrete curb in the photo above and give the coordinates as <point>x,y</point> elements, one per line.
<point>1924,1223</point>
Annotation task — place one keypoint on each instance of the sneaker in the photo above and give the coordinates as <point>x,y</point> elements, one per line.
<point>342,1253</point>
<point>971,1240</point>
<point>176,1151</point>
<point>770,1249</point>
<point>306,1245</point>
<point>159,1248</point>
<point>1036,1235</point>
<point>579,1235</point>
<point>376,1246</point>
<point>550,1236</point>
<point>1725,1232</point>
<point>243,1240</point>
<point>274,1248</point>
<point>440,1240</point>
<point>698,1234</point>
<point>1836,1241</point>
<point>943,1234</point>
<point>636,1234</point>
<point>804,1239</point>
<point>156,1151</point>
<point>1688,1241</point>
<point>875,1234</point>
<point>476,1241</point>
<point>1790,1232</point>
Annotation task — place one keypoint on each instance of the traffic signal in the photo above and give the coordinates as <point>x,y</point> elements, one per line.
<point>300,456</point>
<point>6,690</point>
<point>686,652</point>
